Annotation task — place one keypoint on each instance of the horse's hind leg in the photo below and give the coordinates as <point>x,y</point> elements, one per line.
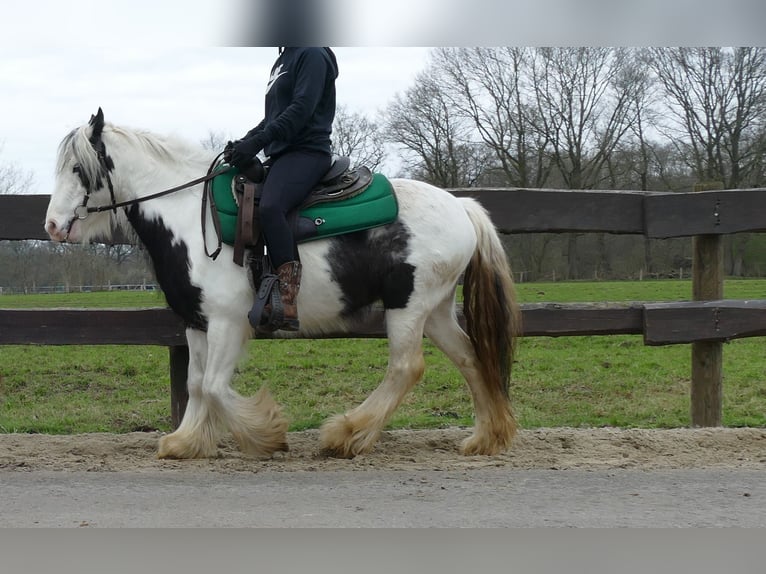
<point>197,434</point>
<point>356,431</point>
<point>495,425</point>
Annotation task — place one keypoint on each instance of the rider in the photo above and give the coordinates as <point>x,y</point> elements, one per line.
<point>295,135</point>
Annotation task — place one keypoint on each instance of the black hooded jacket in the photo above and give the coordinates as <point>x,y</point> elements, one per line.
<point>300,102</point>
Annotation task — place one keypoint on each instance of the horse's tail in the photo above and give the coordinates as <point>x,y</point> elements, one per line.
<point>492,315</point>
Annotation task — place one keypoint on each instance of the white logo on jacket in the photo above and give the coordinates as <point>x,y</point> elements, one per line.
<point>274,77</point>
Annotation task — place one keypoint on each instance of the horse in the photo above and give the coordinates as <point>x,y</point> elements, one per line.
<point>104,178</point>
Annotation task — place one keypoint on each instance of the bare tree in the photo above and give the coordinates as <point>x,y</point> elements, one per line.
<point>13,179</point>
<point>120,253</point>
<point>584,98</point>
<point>717,109</point>
<point>745,119</point>
<point>424,123</point>
<point>215,140</point>
<point>356,136</point>
<point>632,163</point>
<point>584,105</point>
<point>717,100</point>
<point>491,88</point>
<point>547,114</point>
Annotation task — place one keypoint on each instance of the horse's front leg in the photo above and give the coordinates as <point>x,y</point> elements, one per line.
<point>197,435</point>
<point>256,422</point>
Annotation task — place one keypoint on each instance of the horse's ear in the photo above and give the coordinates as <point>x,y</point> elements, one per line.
<point>97,122</point>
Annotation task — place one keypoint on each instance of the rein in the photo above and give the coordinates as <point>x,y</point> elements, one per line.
<point>115,204</point>
<point>192,183</point>
<point>83,210</point>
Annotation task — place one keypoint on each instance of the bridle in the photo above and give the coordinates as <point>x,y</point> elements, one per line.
<point>107,165</point>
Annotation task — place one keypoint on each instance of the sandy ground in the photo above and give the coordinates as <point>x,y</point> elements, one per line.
<point>558,448</point>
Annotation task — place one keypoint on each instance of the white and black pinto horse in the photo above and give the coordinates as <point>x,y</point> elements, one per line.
<point>412,266</point>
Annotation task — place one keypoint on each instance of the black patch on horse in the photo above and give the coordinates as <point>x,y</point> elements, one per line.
<point>171,266</point>
<point>372,266</point>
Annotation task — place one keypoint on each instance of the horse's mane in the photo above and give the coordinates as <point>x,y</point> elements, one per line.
<point>163,148</point>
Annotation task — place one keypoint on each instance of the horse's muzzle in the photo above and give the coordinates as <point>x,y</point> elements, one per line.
<point>57,232</point>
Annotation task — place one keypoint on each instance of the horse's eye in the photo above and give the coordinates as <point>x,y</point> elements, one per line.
<point>76,169</point>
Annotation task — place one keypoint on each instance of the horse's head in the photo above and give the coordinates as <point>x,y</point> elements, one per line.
<point>83,179</point>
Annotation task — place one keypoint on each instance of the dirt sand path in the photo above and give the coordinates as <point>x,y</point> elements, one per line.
<point>558,448</point>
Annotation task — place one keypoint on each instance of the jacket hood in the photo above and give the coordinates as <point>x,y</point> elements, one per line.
<point>328,52</point>
<point>333,61</point>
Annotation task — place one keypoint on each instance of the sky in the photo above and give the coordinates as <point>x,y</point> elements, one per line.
<point>187,91</point>
<point>183,67</point>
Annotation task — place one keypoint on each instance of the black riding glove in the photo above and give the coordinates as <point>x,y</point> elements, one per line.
<point>227,151</point>
<point>243,151</point>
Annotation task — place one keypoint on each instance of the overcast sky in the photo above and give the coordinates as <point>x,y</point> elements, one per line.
<point>184,91</point>
<point>162,65</point>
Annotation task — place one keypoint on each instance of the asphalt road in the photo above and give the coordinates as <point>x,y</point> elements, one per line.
<point>476,498</point>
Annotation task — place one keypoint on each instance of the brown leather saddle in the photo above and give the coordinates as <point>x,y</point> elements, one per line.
<point>340,182</point>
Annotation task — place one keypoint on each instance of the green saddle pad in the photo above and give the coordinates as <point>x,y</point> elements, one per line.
<point>375,206</point>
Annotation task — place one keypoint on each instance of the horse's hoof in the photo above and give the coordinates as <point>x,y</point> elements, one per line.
<point>175,447</point>
<point>478,446</point>
<point>343,436</point>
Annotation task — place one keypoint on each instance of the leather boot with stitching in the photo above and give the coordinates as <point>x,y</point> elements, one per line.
<point>289,284</point>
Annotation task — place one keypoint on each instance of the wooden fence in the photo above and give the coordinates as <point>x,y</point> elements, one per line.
<point>706,322</point>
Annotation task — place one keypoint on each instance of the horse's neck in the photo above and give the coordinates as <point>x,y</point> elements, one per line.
<point>144,167</point>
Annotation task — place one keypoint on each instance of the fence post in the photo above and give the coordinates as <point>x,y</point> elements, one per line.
<point>179,394</point>
<point>707,356</point>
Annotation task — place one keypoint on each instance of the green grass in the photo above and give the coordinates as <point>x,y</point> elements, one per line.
<point>616,291</point>
<point>567,381</point>
<point>97,299</point>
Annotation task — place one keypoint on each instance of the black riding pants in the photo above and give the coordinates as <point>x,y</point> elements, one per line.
<point>290,178</point>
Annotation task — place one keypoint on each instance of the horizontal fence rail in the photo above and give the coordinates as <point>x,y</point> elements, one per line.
<point>520,210</point>
<point>703,215</point>
<point>659,323</point>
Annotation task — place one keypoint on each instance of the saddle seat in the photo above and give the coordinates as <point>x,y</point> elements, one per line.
<point>338,183</point>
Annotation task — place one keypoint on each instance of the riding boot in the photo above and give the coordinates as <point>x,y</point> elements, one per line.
<point>289,284</point>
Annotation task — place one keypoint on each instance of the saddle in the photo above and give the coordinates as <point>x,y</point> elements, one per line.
<point>344,201</point>
<point>337,184</point>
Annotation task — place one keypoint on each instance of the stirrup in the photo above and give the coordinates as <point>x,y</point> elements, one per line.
<point>267,294</point>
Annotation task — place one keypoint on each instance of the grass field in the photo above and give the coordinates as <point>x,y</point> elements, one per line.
<point>567,381</point>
